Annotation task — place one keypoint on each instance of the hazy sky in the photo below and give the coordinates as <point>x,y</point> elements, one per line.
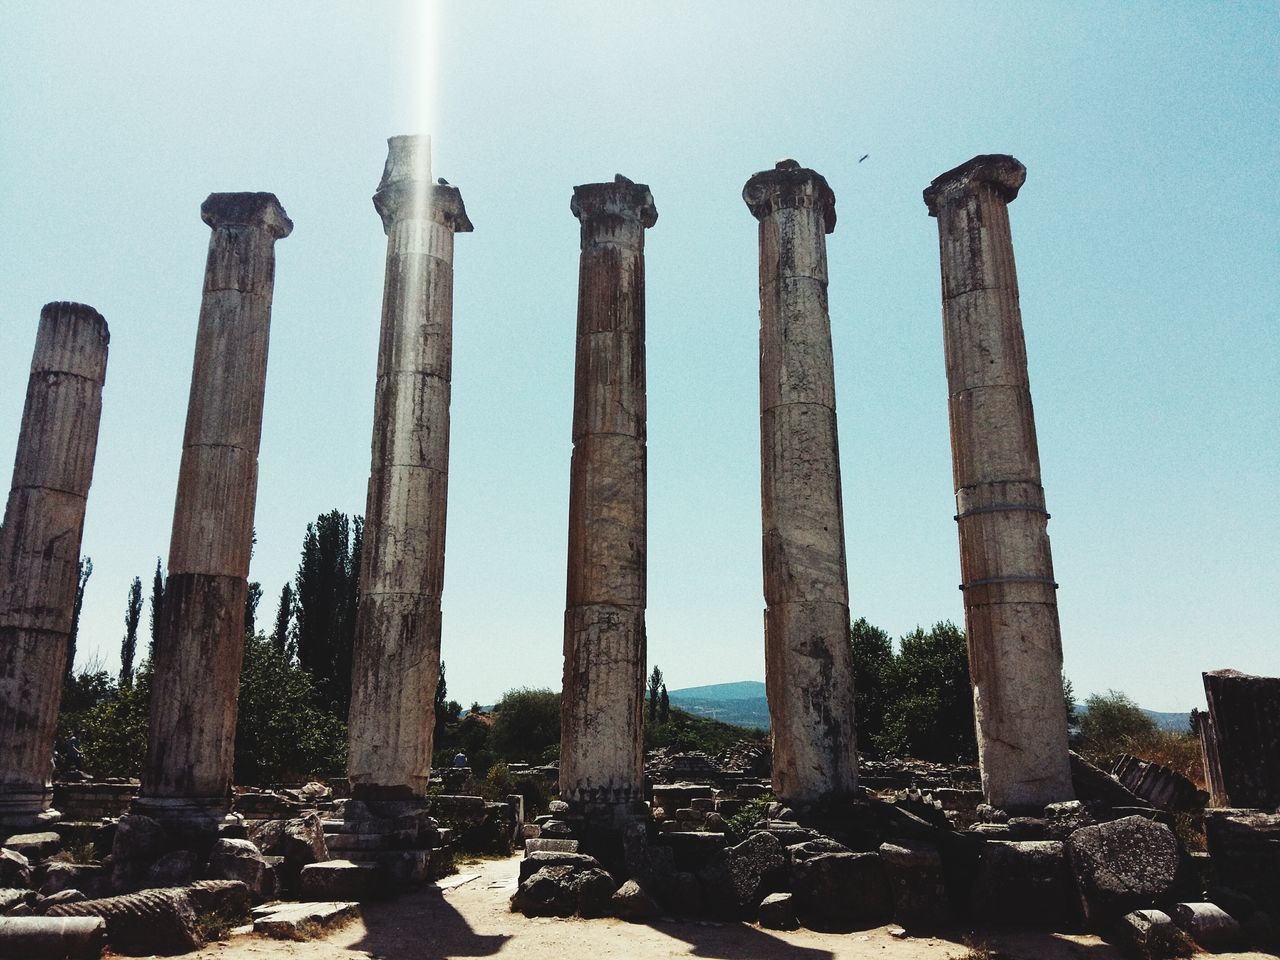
<point>1146,239</point>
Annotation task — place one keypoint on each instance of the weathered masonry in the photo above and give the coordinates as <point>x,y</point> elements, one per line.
<point>40,548</point>
<point>1011,609</point>
<point>397,649</point>
<point>191,747</point>
<point>808,662</point>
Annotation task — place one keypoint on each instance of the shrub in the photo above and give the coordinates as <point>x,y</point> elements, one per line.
<point>525,723</point>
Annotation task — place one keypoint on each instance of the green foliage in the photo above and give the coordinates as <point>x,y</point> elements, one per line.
<point>686,732</point>
<point>1069,698</point>
<point>111,722</point>
<point>1112,723</point>
<point>930,713</point>
<point>872,693</point>
<point>655,685</point>
<point>252,598</point>
<point>281,733</point>
<point>86,571</point>
<point>129,645</point>
<point>526,722</point>
<point>157,603</point>
<point>328,595</point>
<point>751,813</point>
<point>282,632</point>
<point>664,705</point>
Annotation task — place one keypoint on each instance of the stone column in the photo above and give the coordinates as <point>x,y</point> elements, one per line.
<point>601,733</point>
<point>808,662</point>
<point>397,649</point>
<point>40,548</point>
<point>1011,611</point>
<point>191,748</point>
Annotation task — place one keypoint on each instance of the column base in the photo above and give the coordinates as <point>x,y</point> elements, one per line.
<point>189,815</point>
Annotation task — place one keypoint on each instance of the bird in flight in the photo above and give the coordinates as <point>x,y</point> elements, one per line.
<point>863,157</point>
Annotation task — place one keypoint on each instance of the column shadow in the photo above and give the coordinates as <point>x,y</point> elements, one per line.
<point>727,940</point>
<point>423,926</point>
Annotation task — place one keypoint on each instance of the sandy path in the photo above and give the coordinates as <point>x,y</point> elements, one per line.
<point>472,919</point>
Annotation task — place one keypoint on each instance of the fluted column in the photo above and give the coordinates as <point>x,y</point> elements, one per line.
<point>808,663</point>
<point>1011,610</point>
<point>40,548</point>
<point>601,732</point>
<point>191,748</point>
<point>397,649</point>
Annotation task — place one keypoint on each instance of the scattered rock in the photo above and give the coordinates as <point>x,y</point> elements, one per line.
<point>778,912</point>
<point>227,897</point>
<point>15,869</point>
<point>35,846</point>
<point>174,869</point>
<point>301,921</point>
<point>750,864</point>
<point>11,897</point>
<point>534,862</point>
<point>914,870</point>
<point>1153,935</point>
<point>549,845</point>
<point>340,880</point>
<point>631,902</point>
<point>92,878</point>
<point>1023,882</point>
<point>241,860</point>
<point>1211,927</point>
<point>841,891</point>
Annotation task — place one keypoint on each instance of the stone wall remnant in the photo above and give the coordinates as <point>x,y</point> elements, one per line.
<point>40,548</point>
<point>601,732</point>
<point>808,662</point>
<point>396,662</point>
<point>190,750</point>
<point>1011,610</point>
<point>1243,760</point>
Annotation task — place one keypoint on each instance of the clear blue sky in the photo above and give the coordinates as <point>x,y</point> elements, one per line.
<point>1146,238</point>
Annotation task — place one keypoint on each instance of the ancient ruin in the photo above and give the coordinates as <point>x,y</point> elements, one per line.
<point>808,669</point>
<point>40,548</point>
<point>397,647</point>
<point>601,737</point>
<point>190,750</point>
<point>1011,610</point>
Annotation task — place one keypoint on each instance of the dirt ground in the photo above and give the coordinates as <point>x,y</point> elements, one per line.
<point>470,918</point>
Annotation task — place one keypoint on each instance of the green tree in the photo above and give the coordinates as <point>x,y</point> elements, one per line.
<point>872,690</point>
<point>280,732</point>
<point>655,685</point>
<point>111,721</point>
<point>328,594</point>
<point>129,645</point>
<point>252,597</point>
<point>157,605</point>
<point>664,705</point>
<point>1112,724</point>
<point>1069,698</point>
<point>281,633</point>
<point>86,571</point>
<point>525,723</point>
<point>447,711</point>
<point>931,715</point>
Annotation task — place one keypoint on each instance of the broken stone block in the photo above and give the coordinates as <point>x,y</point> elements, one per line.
<point>631,902</point>
<point>300,921</point>
<point>841,891</point>
<point>549,845</point>
<point>15,869</point>
<point>1211,927</point>
<point>340,880</point>
<point>1124,865</point>
<point>1023,882</point>
<point>52,938</point>
<point>241,860</point>
<point>545,892</point>
<point>1153,935</point>
<point>35,846</point>
<point>152,921</point>
<point>919,890</point>
<point>43,903</point>
<point>91,878</point>
<point>1245,847</point>
<point>593,891</point>
<point>11,897</point>
<point>778,912</point>
<point>230,898</point>
<point>750,864</point>
<point>534,862</point>
<point>138,843</point>
<point>174,869</point>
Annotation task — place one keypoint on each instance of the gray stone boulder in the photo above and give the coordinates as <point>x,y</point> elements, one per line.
<point>1122,866</point>
<point>1024,882</point>
<point>15,869</point>
<point>92,878</point>
<point>153,921</point>
<point>547,858</point>
<point>35,846</point>
<point>751,865</point>
<point>919,889</point>
<point>631,902</point>
<point>11,897</point>
<point>297,843</point>
<point>43,903</point>
<point>229,898</point>
<point>241,860</point>
<point>841,891</point>
<point>563,890</point>
<point>139,842</point>
<point>174,869</point>
<point>1211,927</point>
<point>778,912</point>
<point>808,849</point>
<point>1152,935</point>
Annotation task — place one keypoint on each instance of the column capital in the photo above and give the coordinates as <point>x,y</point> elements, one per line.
<point>419,200</point>
<point>1002,171</point>
<point>618,199</point>
<point>246,210</point>
<point>789,185</point>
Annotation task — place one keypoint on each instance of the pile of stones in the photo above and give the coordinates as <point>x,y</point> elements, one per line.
<point>1116,868</point>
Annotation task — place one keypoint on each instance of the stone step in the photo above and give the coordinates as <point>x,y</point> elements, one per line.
<point>299,921</point>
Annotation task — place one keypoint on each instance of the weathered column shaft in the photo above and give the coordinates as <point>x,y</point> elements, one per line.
<point>40,546</point>
<point>397,649</point>
<point>1244,714</point>
<point>191,748</point>
<point>601,731</point>
<point>808,662</point>
<point>1011,611</point>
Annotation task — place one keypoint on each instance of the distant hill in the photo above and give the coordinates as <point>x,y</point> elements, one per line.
<point>743,703</point>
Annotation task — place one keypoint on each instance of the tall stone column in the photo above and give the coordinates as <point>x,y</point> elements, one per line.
<point>397,648</point>
<point>40,548</point>
<point>601,732</point>
<point>1011,610</point>
<point>191,747</point>
<point>808,662</point>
